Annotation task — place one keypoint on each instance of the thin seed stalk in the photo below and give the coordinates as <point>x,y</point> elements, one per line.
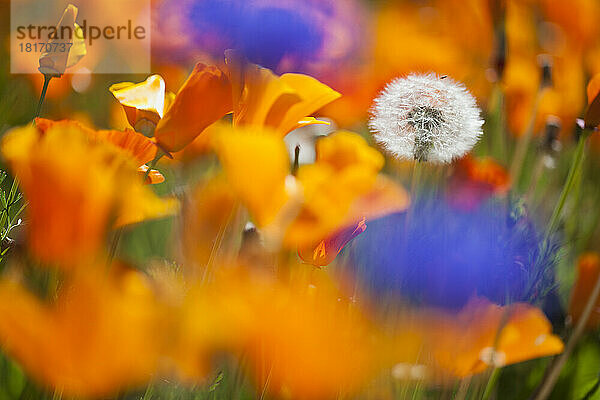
<point>573,172</point>
<point>491,384</point>
<point>556,367</point>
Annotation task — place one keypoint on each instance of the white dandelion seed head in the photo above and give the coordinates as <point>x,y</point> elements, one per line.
<point>426,118</point>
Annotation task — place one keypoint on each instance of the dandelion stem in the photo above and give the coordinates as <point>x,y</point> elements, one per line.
<point>556,366</point>
<point>573,173</point>
<point>414,192</point>
<point>43,95</point>
<point>415,180</point>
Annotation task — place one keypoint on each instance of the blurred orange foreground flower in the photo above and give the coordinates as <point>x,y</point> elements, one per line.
<point>75,186</point>
<point>100,335</point>
<point>477,339</point>
<point>140,148</point>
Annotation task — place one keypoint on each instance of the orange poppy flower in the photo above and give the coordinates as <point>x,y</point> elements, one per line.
<point>323,197</point>
<point>176,120</point>
<point>476,179</point>
<point>384,198</point>
<point>74,187</point>
<point>588,268</point>
<point>471,341</point>
<point>101,335</point>
<point>282,103</point>
<point>141,149</point>
<point>294,347</point>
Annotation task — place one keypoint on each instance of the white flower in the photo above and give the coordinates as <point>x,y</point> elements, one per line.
<point>426,118</point>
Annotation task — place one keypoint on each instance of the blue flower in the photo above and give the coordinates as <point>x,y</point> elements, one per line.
<point>442,256</point>
<point>266,32</point>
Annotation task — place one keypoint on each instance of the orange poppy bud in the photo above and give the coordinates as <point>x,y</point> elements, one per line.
<point>327,250</point>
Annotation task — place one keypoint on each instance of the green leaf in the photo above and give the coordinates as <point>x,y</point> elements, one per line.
<point>587,369</point>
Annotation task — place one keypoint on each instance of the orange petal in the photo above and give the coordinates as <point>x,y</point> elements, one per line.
<point>204,98</point>
<point>135,144</point>
<point>593,88</point>
<point>345,149</point>
<point>592,114</point>
<point>327,250</point>
<point>463,344</point>
<point>255,90</point>
<point>262,98</point>
<point>475,180</point>
<point>98,337</point>
<point>69,186</point>
<point>386,197</point>
<point>313,95</point>
<point>153,177</point>
<point>138,146</point>
<point>140,204</point>
<point>588,269</point>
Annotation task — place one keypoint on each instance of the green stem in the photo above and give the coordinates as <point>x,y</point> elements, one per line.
<point>497,138</point>
<point>57,395</point>
<point>149,392</point>
<point>415,180</point>
<point>114,245</point>
<point>159,155</point>
<point>556,367</point>
<point>43,95</point>
<point>491,384</point>
<point>573,172</point>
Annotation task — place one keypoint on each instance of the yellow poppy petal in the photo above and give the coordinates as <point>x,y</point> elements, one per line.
<point>148,95</point>
<point>255,91</point>
<point>313,95</point>
<point>141,204</point>
<point>256,163</point>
